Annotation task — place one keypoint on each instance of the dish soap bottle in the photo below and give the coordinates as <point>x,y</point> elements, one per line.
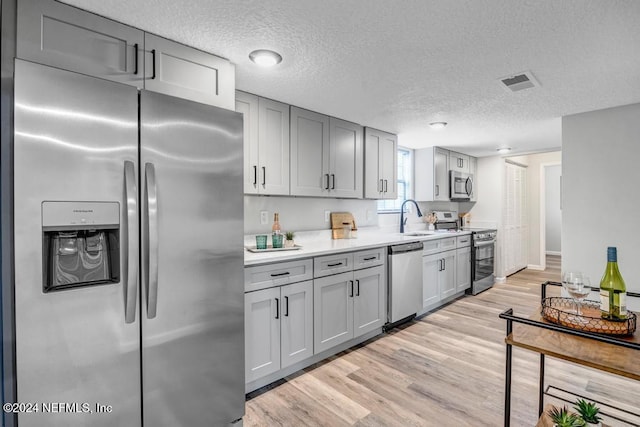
<point>613,291</point>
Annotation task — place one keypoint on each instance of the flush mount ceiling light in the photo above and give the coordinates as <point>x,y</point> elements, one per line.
<point>438,125</point>
<point>503,150</point>
<point>265,58</point>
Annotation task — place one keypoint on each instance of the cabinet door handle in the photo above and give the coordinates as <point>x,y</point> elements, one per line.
<point>286,273</point>
<point>135,59</point>
<point>371,258</point>
<point>437,190</point>
<point>380,186</point>
<point>333,181</point>
<point>441,268</point>
<point>264,175</point>
<point>286,306</point>
<point>326,175</point>
<point>357,288</point>
<point>351,293</point>
<point>334,265</point>
<point>153,64</point>
<point>255,174</point>
<point>277,308</point>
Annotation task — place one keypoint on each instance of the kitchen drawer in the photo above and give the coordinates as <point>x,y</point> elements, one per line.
<point>438,245</point>
<point>332,264</point>
<point>369,258</point>
<point>281,273</point>
<point>463,241</point>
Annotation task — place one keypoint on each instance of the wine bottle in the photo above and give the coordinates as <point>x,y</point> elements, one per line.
<point>613,291</point>
<point>275,228</point>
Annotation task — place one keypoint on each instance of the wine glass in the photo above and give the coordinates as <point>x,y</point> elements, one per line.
<point>579,288</point>
<point>570,277</point>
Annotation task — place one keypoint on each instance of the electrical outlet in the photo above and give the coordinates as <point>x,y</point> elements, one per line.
<point>264,217</point>
<point>369,215</point>
<point>327,216</point>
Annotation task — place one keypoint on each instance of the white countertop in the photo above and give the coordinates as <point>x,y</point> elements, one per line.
<point>315,243</point>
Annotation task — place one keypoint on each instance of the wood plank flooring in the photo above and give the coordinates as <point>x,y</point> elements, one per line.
<point>445,369</point>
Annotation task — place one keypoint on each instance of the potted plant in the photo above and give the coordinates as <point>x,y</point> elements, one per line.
<point>561,417</point>
<point>589,412</point>
<point>289,235</point>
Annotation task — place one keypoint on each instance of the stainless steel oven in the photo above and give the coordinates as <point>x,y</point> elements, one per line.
<point>483,251</point>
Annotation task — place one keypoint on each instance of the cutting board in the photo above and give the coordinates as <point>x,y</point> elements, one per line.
<point>338,221</point>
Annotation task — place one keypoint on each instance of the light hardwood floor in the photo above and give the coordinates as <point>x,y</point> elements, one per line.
<point>445,369</point>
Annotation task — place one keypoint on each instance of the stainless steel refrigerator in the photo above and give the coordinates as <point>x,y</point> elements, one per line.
<point>128,255</point>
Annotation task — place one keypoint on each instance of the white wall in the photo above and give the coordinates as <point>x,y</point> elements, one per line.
<point>553,215</point>
<point>600,192</point>
<point>304,213</point>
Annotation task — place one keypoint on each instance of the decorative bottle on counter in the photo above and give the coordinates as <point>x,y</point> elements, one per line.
<point>276,232</point>
<point>613,291</point>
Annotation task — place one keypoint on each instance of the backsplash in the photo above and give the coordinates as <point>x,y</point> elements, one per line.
<point>416,223</point>
<point>304,213</point>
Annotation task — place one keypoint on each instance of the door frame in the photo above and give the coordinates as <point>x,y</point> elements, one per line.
<point>543,209</point>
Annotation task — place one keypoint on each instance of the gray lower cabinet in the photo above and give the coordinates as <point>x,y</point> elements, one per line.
<point>463,269</point>
<point>278,328</point>
<point>62,36</point>
<point>266,144</point>
<point>348,305</point>
<point>178,70</point>
<point>438,277</point>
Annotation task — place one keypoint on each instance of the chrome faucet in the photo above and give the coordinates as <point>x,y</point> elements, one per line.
<point>402,220</point>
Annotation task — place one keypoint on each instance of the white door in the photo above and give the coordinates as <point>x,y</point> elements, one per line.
<point>430,277</point>
<point>369,301</point>
<point>332,311</point>
<point>261,333</point>
<point>297,322</point>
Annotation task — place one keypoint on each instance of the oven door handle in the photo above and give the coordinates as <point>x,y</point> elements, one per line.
<point>482,244</point>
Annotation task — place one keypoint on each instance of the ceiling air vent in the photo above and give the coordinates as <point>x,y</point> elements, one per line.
<point>520,81</point>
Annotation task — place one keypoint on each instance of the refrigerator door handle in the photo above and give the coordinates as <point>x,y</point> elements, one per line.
<point>130,267</point>
<point>151,257</point>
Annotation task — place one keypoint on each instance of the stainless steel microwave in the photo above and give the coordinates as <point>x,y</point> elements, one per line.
<point>460,186</point>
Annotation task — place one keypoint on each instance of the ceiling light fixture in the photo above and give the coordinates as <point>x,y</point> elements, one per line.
<point>503,150</point>
<point>438,125</point>
<point>265,58</point>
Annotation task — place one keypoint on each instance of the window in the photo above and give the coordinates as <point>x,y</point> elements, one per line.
<point>405,178</point>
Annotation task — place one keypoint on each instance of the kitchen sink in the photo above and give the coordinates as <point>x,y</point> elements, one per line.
<point>420,233</point>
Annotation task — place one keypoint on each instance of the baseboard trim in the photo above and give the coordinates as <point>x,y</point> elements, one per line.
<point>535,267</point>
<point>555,253</point>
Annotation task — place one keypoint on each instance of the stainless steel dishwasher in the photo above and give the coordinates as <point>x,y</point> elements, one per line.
<point>405,281</point>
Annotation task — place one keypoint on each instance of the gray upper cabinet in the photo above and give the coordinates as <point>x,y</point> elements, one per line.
<point>326,156</point>
<point>458,162</point>
<point>431,174</point>
<point>178,70</point>
<point>380,165</point>
<point>62,36</point>
<point>266,144</point>
<point>345,159</point>
<point>473,170</point>
<point>309,153</point>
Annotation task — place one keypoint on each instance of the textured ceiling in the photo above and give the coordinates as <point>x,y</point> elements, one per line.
<point>398,65</point>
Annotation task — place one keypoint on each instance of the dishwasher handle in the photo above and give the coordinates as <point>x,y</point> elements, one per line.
<point>405,247</point>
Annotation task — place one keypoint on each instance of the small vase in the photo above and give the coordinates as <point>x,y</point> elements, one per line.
<point>289,243</point>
